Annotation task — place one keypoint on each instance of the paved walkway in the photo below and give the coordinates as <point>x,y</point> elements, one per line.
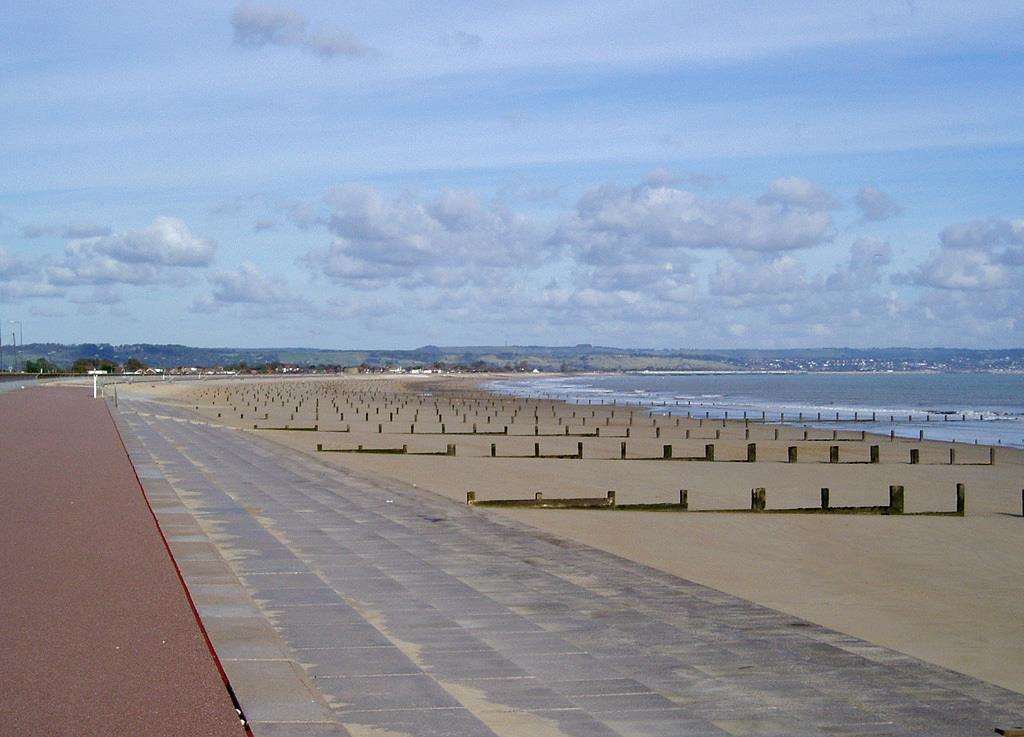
<point>97,636</point>
<point>341,606</point>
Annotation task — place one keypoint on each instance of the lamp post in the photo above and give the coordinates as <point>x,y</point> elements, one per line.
<point>20,341</point>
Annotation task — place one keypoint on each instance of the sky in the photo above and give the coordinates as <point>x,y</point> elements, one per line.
<point>395,174</point>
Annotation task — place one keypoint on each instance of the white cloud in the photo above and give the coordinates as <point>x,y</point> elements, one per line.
<point>875,205</point>
<point>978,255</point>
<point>962,268</point>
<point>451,238</point>
<point>613,224</point>
<point>1001,237</point>
<point>247,284</point>
<point>256,26</point>
<point>800,193</point>
<point>144,256</point>
<point>864,269</point>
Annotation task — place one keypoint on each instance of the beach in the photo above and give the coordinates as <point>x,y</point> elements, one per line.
<point>941,588</point>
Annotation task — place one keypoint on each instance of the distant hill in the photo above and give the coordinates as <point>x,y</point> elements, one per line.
<point>551,358</point>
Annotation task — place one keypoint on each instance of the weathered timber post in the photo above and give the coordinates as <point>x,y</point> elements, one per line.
<point>895,500</point>
<point>579,450</point>
<point>952,456</point>
<point>494,450</point>
<point>471,497</point>
<point>536,450</point>
<point>824,497</point>
<point>833,454</point>
<point>757,499</point>
<point>776,433</point>
<point>961,501</point>
<point>791,454</point>
<point>622,450</point>
<point>709,452</point>
<point>684,501</point>
<point>611,498</point>
<point>873,451</point>
<point>319,447</point>
<point>657,432</point>
<point>915,456</point>
<point>666,452</point>
<point>450,450</point>
<point>991,456</point>
<point>751,452</point>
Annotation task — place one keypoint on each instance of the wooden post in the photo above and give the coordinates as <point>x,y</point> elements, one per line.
<point>536,450</point>
<point>961,502</point>
<point>776,433</point>
<point>873,451</point>
<point>684,502</point>
<point>538,496</point>
<point>991,456</point>
<point>579,450</point>
<point>622,450</point>
<point>895,500</point>
<point>833,454</point>
<point>952,456</point>
<point>451,449</point>
<point>792,454</point>
<point>751,452</point>
<point>915,455</point>
<point>709,452</point>
<point>666,452</point>
<point>757,499</point>
<point>824,497</point>
<point>611,498</point>
<point>494,450</point>
<point>471,497</point>
<point>319,447</point>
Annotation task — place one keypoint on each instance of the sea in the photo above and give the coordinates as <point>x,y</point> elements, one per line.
<point>983,408</point>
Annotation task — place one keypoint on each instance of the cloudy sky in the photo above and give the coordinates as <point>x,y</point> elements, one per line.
<point>392,174</point>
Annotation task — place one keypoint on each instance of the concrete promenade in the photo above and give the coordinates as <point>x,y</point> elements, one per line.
<point>97,636</point>
<point>340,605</point>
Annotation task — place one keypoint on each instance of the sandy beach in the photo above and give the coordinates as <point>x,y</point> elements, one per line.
<point>945,589</point>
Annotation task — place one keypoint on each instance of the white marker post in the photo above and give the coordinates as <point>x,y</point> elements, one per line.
<point>95,381</point>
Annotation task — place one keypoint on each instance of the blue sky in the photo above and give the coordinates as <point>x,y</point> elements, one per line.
<point>396,173</point>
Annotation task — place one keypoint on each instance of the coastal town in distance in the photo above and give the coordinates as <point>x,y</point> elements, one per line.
<point>474,369</point>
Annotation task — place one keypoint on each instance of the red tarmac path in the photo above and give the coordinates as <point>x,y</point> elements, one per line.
<point>97,634</point>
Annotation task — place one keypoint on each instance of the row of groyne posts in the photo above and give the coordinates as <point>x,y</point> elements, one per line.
<point>477,413</point>
<point>792,454</point>
<point>758,503</point>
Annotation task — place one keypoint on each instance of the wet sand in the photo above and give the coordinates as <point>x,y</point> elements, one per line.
<point>944,589</point>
